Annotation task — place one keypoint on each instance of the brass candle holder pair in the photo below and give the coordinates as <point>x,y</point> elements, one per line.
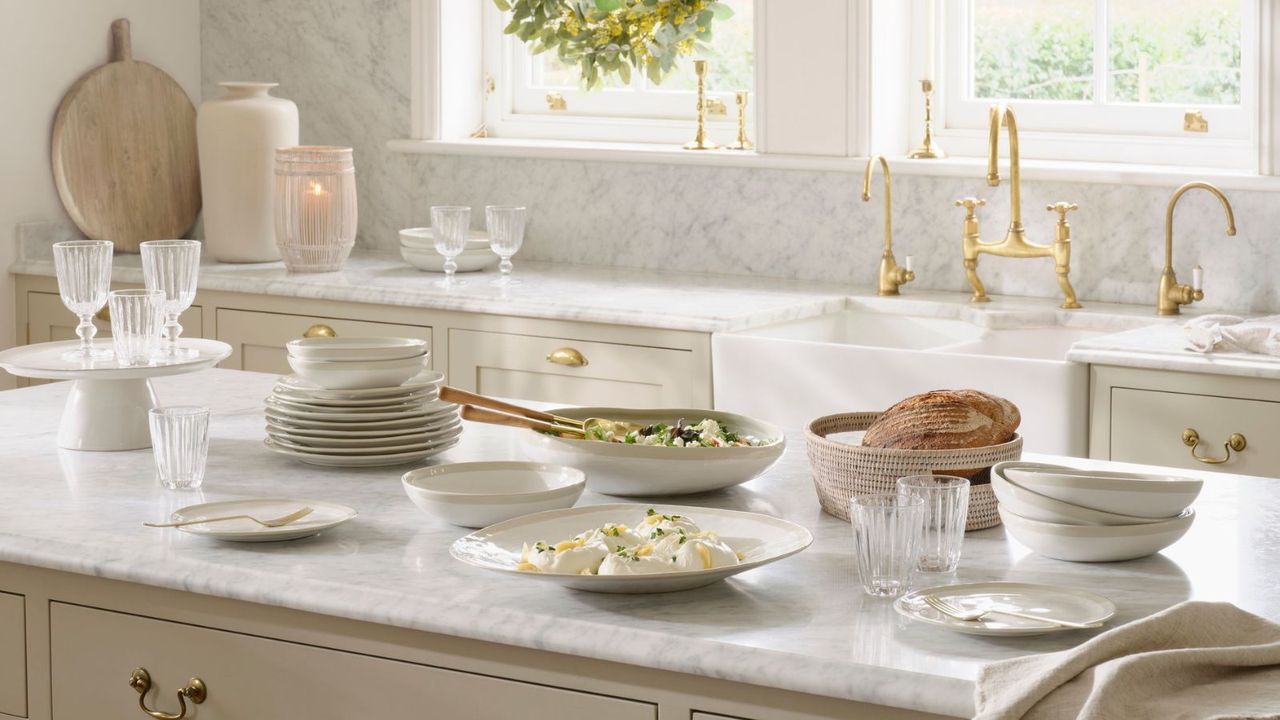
<point>700,141</point>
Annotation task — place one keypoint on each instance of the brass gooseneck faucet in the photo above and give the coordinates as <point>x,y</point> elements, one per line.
<point>1172,295</point>
<point>1014,244</point>
<point>891,276</point>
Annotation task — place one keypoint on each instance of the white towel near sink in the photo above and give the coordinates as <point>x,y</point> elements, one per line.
<point>1229,332</point>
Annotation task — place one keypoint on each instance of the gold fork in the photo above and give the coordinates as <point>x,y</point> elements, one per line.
<point>959,613</point>
<point>281,521</point>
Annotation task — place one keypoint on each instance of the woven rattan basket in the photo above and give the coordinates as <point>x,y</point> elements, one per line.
<point>842,469</point>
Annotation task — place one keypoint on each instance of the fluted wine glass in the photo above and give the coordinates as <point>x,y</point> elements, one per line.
<point>172,267</point>
<point>84,277</point>
<point>450,228</point>
<point>506,235</point>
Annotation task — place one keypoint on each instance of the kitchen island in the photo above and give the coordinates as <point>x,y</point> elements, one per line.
<point>375,617</point>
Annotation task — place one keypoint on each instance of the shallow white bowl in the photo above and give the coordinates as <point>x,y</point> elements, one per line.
<point>428,260</point>
<point>1034,506</point>
<point>645,470</point>
<point>1148,496</point>
<point>354,349</point>
<point>477,494</point>
<point>353,375</point>
<point>1096,543</point>
<point>424,238</point>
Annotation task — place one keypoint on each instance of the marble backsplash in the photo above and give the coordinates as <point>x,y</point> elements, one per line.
<point>346,64</point>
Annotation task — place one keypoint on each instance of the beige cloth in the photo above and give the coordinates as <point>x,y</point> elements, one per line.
<point>1230,333</point>
<point>1194,661</point>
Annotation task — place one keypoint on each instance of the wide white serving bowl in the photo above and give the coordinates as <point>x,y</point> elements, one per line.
<point>332,375</point>
<point>476,494</point>
<point>423,238</point>
<point>1034,506</point>
<point>1140,494</point>
<point>355,349</point>
<point>428,260</point>
<point>1096,543</point>
<point>761,539</point>
<point>646,470</point>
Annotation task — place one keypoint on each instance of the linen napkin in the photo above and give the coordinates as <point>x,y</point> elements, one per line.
<point>1229,332</point>
<point>1193,661</point>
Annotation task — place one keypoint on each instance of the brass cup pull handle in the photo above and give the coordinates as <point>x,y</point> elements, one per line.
<point>1236,442</point>
<point>195,690</point>
<point>567,356</point>
<point>319,330</point>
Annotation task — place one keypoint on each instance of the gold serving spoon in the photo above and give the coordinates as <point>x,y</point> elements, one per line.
<point>281,521</point>
<point>576,428</point>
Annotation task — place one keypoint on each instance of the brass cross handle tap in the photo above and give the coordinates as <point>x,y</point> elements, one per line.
<point>969,204</point>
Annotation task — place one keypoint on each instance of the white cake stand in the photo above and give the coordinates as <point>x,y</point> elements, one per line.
<point>108,404</point>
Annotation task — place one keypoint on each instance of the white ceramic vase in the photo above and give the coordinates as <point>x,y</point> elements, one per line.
<point>238,134</point>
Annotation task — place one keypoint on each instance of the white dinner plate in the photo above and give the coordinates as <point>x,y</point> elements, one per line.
<point>284,393</point>
<point>412,421</point>
<point>329,410</point>
<point>1054,601</point>
<point>386,448</point>
<point>289,429</point>
<point>324,515</point>
<point>359,460</point>
<point>377,441</point>
<point>424,410</point>
<point>422,381</point>
<point>761,539</point>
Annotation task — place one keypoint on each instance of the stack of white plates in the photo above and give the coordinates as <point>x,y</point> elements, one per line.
<point>362,427</point>
<point>1092,516</point>
<point>417,247</point>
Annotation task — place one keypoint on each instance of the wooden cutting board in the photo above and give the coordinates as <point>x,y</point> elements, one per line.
<point>124,151</point>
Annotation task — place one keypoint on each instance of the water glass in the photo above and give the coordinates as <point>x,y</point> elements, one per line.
<point>136,319</point>
<point>84,277</point>
<point>946,510</point>
<point>506,235</point>
<point>172,266</point>
<point>180,442</point>
<point>886,541</point>
<point>450,228</point>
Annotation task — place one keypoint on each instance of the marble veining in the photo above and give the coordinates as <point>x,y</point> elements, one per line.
<point>1164,347</point>
<point>801,624</point>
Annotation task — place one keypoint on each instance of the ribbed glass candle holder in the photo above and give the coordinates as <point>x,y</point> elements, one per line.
<point>315,207</point>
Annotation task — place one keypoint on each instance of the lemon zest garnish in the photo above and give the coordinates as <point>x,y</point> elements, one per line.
<point>524,553</point>
<point>705,552</point>
<point>528,567</point>
<point>741,555</point>
<point>644,551</point>
<point>565,545</point>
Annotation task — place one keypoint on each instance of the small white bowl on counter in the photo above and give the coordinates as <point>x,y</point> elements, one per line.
<point>1034,506</point>
<point>477,494</point>
<point>345,349</point>
<point>1142,495</point>
<point>1096,543</point>
<point>341,375</point>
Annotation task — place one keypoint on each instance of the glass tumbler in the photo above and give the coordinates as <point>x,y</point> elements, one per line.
<point>180,442</point>
<point>886,541</point>
<point>172,266</point>
<point>84,277</point>
<point>136,319</point>
<point>946,509</point>
<point>450,228</point>
<point>506,234</point>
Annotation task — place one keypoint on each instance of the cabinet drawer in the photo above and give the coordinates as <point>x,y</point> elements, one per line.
<point>518,366</point>
<point>1147,427</point>
<point>258,339</point>
<point>93,653</point>
<point>13,655</point>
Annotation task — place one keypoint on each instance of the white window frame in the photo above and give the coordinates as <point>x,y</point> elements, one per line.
<point>1090,131</point>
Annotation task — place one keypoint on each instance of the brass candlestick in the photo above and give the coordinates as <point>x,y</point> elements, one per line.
<point>742,143</point>
<point>928,149</point>
<point>700,141</point>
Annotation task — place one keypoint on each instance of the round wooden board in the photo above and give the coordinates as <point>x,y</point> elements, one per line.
<point>124,152</point>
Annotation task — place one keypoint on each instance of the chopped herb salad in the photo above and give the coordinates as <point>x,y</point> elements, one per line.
<point>707,433</point>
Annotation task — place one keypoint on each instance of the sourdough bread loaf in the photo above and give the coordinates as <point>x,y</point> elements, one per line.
<point>944,420</point>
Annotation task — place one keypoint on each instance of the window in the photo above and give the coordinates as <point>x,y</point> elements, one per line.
<point>539,96</point>
<point>1116,80</point>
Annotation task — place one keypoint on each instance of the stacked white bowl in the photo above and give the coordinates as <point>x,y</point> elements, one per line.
<point>1092,516</point>
<point>360,402</point>
<point>417,247</point>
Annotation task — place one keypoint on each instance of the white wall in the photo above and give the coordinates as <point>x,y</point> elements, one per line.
<point>48,45</point>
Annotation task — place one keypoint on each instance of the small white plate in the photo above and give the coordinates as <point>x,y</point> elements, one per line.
<point>359,460</point>
<point>1054,601</point>
<point>389,447</point>
<point>442,425</point>
<point>422,381</point>
<point>349,349</point>
<point>324,515</point>
<point>761,539</point>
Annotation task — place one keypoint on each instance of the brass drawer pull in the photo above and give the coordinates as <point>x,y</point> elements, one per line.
<point>567,356</point>
<point>195,690</point>
<point>319,330</point>
<point>1236,442</point>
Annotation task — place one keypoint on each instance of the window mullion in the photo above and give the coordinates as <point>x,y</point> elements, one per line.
<point>1101,50</point>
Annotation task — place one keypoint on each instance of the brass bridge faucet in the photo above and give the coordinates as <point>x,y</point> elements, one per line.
<point>1014,244</point>
<point>891,276</point>
<point>1172,295</point>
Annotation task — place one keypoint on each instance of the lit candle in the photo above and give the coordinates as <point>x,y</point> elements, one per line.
<point>316,205</point>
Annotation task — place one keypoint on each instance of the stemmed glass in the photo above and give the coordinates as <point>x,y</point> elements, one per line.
<point>84,277</point>
<point>172,266</point>
<point>506,235</point>
<point>450,227</point>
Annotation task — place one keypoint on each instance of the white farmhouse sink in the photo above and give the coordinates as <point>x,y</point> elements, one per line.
<point>860,360</point>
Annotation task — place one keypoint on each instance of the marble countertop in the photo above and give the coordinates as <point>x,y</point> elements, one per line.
<point>801,624</point>
<point>1164,347</point>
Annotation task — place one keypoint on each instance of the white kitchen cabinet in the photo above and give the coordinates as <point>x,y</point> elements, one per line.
<point>13,655</point>
<point>258,339</point>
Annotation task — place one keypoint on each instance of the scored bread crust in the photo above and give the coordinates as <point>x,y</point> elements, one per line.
<point>944,420</point>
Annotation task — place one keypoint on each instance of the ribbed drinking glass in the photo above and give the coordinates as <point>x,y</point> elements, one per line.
<point>450,228</point>
<point>84,277</point>
<point>506,235</point>
<point>172,267</point>
<point>946,510</point>
<point>137,317</point>
<point>886,541</point>
<point>180,443</point>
